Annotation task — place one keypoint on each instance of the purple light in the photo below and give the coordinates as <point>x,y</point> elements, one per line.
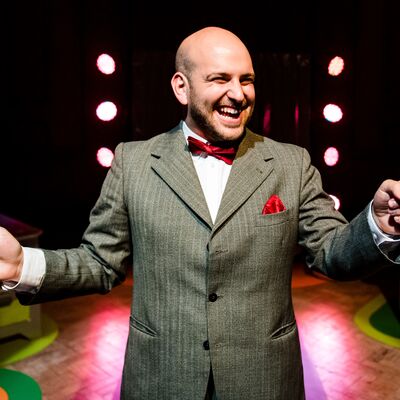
<point>267,120</point>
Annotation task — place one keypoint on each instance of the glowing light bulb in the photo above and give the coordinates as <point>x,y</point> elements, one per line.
<point>106,111</point>
<point>105,157</point>
<point>106,64</point>
<point>333,113</point>
<point>331,156</point>
<point>336,66</point>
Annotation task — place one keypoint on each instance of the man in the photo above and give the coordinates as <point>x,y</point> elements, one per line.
<point>211,240</point>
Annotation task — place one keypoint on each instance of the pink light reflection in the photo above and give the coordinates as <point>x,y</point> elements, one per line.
<point>336,201</point>
<point>326,346</point>
<point>101,346</point>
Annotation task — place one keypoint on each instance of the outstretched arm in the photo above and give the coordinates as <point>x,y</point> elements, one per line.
<point>386,207</point>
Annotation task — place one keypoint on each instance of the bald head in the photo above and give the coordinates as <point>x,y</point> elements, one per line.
<point>205,42</point>
<point>214,80</point>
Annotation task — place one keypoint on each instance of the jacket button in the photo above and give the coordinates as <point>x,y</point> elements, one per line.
<point>206,345</point>
<point>212,297</point>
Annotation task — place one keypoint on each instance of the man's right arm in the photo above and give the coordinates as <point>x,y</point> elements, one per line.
<point>32,274</point>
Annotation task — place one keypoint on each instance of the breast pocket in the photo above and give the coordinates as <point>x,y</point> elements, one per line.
<point>273,219</point>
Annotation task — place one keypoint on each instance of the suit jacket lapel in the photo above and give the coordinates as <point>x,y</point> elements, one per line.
<point>249,169</point>
<point>173,163</point>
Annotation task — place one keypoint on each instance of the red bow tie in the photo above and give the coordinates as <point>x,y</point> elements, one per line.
<point>226,154</point>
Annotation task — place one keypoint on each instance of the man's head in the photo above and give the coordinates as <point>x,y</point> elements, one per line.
<point>214,78</point>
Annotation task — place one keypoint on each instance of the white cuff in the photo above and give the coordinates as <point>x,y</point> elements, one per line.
<point>388,244</point>
<point>33,271</point>
<point>377,233</point>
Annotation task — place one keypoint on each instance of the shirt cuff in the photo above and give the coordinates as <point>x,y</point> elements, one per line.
<point>33,271</point>
<point>388,244</point>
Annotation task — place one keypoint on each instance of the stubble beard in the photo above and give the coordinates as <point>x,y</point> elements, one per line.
<point>207,127</point>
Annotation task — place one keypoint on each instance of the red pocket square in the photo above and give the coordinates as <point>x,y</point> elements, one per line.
<point>273,205</point>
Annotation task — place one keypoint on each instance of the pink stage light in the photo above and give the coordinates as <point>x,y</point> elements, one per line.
<point>106,64</point>
<point>105,157</point>
<point>336,201</point>
<point>336,66</point>
<point>267,120</point>
<point>106,111</point>
<point>331,156</point>
<point>333,113</point>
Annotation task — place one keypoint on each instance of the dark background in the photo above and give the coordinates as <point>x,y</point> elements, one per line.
<point>49,174</point>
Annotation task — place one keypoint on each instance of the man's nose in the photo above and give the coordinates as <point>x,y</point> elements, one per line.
<point>235,91</point>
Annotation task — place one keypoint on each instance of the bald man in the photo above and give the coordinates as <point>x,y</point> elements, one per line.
<point>210,215</point>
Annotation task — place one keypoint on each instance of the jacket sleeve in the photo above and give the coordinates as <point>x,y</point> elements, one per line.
<point>339,249</point>
<point>101,261</point>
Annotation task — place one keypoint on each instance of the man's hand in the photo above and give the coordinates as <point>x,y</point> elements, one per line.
<point>11,257</point>
<point>386,207</point>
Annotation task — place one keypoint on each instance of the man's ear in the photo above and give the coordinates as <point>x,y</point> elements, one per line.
<point>180,86</point>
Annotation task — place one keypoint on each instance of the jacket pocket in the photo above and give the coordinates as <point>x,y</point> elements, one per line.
<point>284,330</point>
<point>273,219</point>
<point>140,326</point>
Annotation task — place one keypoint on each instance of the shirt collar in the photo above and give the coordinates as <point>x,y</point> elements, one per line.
<point>188,132</point>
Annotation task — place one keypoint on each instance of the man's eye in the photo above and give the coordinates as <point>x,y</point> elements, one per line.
<point>219,80</point>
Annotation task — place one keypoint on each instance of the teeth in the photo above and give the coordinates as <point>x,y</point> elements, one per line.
<point>231,111</point>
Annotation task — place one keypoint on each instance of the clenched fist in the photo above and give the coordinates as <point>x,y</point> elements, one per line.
<point>386,207</point>
<point>11,257</point>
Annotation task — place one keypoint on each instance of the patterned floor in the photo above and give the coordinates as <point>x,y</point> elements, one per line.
<point>341,361</point>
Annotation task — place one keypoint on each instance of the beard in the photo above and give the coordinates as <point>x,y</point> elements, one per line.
<point>209,128</point>
<point>204,124</point>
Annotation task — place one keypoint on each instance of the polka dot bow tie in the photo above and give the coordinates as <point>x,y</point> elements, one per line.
<point>226,154</point>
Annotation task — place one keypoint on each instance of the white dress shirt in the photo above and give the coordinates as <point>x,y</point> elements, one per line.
<point>213,175</point>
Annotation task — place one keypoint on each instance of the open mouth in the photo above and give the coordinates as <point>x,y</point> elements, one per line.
<point>229,112</point>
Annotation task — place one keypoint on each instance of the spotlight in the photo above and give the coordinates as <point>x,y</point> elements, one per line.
<point>106,111</point>
<point>331,156</point>
<point>105,157</point>
<point>105,64</point>
<point>333,113</point>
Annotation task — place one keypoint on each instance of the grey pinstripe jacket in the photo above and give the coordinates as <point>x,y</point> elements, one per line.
<point>152,213</point>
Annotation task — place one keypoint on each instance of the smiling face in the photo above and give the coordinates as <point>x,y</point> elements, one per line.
<point>215,79</point>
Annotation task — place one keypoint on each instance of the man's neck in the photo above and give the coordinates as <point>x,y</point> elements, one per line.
<point>228,143</point>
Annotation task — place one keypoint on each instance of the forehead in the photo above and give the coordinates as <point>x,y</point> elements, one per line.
<point>222,59</point>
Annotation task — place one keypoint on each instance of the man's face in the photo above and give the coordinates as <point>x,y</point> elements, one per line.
<point>221,94</point>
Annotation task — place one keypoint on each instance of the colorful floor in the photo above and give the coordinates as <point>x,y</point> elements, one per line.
<point>15,385</point>
<point>349,337</point>
<point>18,348</point>
<point>378,320</point>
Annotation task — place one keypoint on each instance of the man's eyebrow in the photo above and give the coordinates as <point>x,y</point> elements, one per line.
<point>218,74</point>
<point>249,76</point>
<point>227,76</point>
